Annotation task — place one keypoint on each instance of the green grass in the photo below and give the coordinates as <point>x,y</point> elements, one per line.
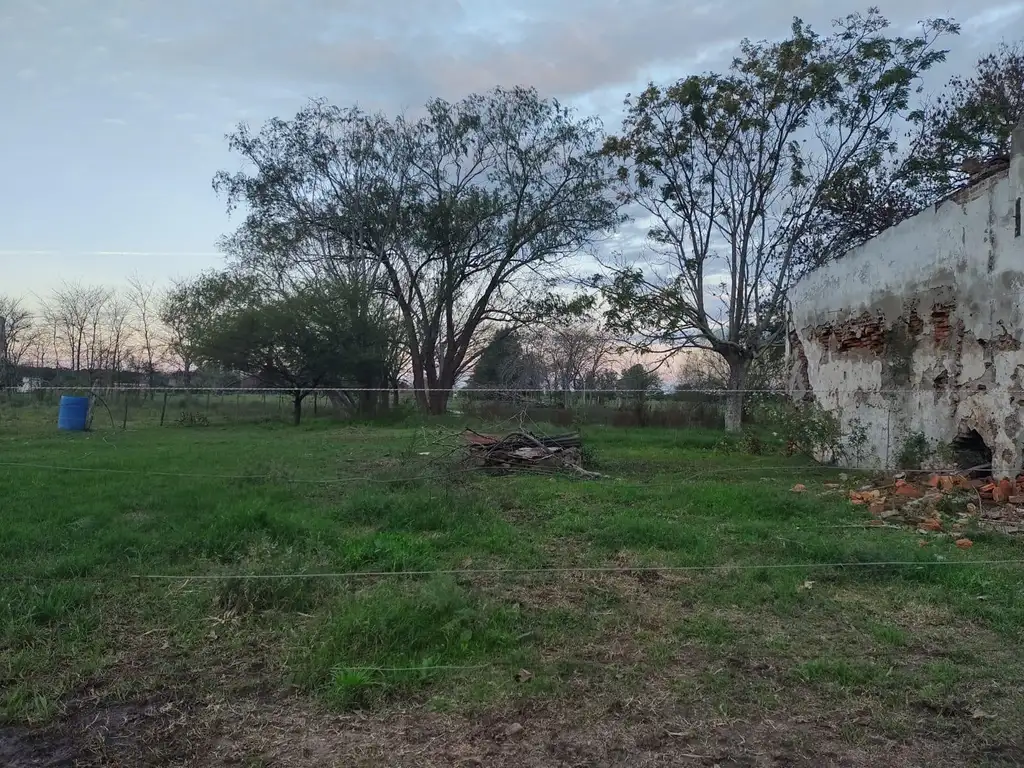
<point>272,500</point>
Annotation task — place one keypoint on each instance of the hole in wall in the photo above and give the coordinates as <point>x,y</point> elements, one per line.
<point>970,452</point>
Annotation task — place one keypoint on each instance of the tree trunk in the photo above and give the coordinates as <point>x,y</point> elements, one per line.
<point>438,402</point>
<point>739,365</point>
<point>297,407</point>
<point>368,404</point>
<point>419,384</point>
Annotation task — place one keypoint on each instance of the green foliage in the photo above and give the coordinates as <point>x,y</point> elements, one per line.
<point>788,122</point>
<point>505,364</point>
<point>315,334</point>
<point>809,429</point>
<point>971,119</point>
<point>461,215</point>
<point>332,499</point>
<point>914,451</point>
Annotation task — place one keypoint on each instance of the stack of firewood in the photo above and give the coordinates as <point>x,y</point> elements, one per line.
<point>525,451</point>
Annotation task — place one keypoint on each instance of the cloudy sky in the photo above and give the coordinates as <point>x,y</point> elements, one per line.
<point>114,111</point>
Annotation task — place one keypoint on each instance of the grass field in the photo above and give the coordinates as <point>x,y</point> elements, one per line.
<point>749,654</point>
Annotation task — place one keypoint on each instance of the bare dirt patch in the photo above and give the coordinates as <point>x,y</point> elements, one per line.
<point>598,732</point>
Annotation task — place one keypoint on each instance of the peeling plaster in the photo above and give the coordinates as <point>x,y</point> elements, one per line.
<point>921,328</point>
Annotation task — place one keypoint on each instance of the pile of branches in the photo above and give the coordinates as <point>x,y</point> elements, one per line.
<point>526,451</point>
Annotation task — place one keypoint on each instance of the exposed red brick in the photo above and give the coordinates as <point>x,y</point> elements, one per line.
<point>864,332</point>
<point>940,318</point>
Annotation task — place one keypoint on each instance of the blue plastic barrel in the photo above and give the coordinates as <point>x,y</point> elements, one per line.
<point>73,414</point>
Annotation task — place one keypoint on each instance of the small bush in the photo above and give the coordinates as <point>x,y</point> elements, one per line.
<point>916,449</point>
<point>810,429</point>
<point>192,419</point>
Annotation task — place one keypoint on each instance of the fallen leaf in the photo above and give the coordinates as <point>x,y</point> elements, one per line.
<point>931,524</point>
<point>877,507</point>
<point>900,482</point>
<point>524,675</point>
<point>946,484</point>
<point>832,486</point>
<point>964,543</point>
<point>806,585</point>
<point>971,509</point>
<point>799,488</point>
<point>922,542</point>
<point>980,714</point>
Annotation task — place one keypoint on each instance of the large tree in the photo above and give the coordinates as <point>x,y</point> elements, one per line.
<point>731,169</point>
<point>464,211</point>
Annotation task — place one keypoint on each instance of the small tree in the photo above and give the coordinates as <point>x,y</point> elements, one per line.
<point>184,312</point>
<point>144,320</point>
<point>638,384</point>
<point>733,170</point>
<point>505,363</point>
<point>298,340</point>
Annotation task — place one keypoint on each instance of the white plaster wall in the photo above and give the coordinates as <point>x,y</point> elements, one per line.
<point>963,250</point>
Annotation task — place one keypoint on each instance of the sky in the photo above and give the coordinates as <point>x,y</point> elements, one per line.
<point>114,112</point>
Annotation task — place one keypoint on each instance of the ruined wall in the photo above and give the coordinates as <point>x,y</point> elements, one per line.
<point>920,329</point>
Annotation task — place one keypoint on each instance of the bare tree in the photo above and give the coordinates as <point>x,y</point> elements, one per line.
<point>145,325</point>
<point>575,356</point>
<point>74,319</point>
<point>19,335</point>
<point>117,337</point>
<point>701,369</point>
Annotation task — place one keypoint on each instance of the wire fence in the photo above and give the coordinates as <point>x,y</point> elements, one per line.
<point>134,407</point>
<point>127,407</point>
<point>514,571</point>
